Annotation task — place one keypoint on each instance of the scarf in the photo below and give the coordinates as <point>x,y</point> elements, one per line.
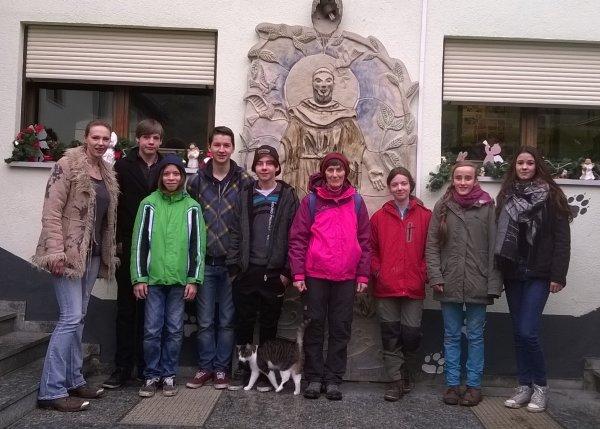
<point>477,196</point>
<point>522,206</point>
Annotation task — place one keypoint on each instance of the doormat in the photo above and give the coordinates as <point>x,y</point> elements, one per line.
<point>189,408</point>
<point>492,414</point>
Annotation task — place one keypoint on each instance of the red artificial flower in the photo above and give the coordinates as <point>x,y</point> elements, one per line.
<point>38,128</point>
<point>118,154</point>
<point>36,144</point>
<point>20,136</point>
<point>29,130</point>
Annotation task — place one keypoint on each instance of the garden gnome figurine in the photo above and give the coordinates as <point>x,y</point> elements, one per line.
<point>587,170</point>
<point>109,155</point>
<point>193,153</point>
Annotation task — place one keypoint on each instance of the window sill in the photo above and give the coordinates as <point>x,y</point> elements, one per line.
<point>30,164</point>
<point>569,182</point>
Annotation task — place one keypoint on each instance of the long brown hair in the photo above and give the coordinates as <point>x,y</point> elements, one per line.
<point>556,196</point>
<point>443,227</point>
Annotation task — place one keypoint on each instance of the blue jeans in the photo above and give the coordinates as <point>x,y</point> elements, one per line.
<point>163,330</point>
<point>454,315</point>
<point>64,357</point>
<point>526,301</point>
<point>215,346</point>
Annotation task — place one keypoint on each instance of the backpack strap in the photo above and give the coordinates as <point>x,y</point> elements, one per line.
<point>312,204</point>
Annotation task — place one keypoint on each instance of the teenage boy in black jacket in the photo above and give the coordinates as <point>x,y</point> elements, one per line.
<point>136,174</point>
<point>257,254</point>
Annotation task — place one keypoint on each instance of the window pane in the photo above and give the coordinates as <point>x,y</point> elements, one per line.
<point>184,115</point>
<point>465,127</point>
<point>569,133</point>
<point>67,111</point>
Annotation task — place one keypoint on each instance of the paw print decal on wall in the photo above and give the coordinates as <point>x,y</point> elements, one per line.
<point>578,204</point>
<point>434,363</point>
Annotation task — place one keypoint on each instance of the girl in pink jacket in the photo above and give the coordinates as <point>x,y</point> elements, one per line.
<point>329,256</point>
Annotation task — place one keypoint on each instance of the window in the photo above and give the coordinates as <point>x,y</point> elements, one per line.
<point>72,78</point>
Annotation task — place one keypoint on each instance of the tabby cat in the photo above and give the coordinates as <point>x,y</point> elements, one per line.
<point>279,354</point>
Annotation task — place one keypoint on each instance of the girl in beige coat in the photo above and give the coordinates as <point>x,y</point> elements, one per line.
<point>76,245</point>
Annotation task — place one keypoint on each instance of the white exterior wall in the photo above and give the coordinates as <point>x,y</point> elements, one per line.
<point>396,23</point>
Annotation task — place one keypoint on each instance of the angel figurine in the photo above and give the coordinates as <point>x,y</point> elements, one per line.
<point>492,153</point>
<point>109,155</point>
<point>193,153</point>
<point>587,170</point>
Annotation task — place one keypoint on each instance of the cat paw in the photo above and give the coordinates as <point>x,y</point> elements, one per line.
<point>434,364</point>
<point>247,387</point>
<point>296,392</point>
<point>279,389</point>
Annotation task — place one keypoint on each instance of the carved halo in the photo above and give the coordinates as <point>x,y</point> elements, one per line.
<point>298,85</point>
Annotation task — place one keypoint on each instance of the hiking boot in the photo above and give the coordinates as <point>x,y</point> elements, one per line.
<point>239,378</point>
<point>313,391</point>
<point>521,397</point>
<point>408,382</point>
<point>452,396</point>
<point>539,399</point>
<point>86,392</point>
<point>394,391</point>
<point>333,392</point>
<point>221,380</point>
<point>149,387</point>
<point>199,379</point>
<point>66,404</point>
<point>168,386</point>
<point>471,397</point>
<point>117,379</point>
<point>263,384</point>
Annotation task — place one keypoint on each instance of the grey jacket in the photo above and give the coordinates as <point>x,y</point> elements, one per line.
<point>465,264</point>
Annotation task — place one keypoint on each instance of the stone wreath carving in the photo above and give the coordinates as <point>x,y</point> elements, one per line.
<point>366,111</point>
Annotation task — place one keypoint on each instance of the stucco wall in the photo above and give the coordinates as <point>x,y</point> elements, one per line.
<point>396,23</point>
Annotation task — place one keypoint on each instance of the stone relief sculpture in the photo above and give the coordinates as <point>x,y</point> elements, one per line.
<point>315,90</point>
<point>360,93</point>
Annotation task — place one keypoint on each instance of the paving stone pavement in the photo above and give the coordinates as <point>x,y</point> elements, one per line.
<point>362,407</point>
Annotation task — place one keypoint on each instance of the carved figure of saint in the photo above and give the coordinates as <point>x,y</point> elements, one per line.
<point>318,126</point>
<point>192,154</point>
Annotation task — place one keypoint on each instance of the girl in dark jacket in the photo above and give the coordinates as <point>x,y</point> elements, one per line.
<point>532,250</point>
<point>460,265</point>
<point>398,235</point>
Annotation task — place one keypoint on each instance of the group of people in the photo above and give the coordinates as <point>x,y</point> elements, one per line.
<point>233,244</point>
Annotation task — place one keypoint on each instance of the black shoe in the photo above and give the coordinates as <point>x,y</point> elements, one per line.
<point>333,392</point>
<point>313,391</point>
<point>240,377</point>
<point>117,379</point>
<point>263,384</point>
<point>394,391</point>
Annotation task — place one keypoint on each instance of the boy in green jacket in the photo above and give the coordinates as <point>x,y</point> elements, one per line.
<point>167,266</point>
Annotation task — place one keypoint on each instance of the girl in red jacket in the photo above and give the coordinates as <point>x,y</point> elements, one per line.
<point>398,237</point>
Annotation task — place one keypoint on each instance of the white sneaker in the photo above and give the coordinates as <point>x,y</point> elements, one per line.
<point>539,399</point>
<point>520,398</point>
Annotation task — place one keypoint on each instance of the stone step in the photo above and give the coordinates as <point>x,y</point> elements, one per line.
<point>591,373</point>
<point>8,320</point>
<point>18,392</point>
<point>19,348</point>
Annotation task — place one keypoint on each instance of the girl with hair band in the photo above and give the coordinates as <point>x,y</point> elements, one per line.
<point>533,247</point>
<point>460,265</point>
<point>398,237</point>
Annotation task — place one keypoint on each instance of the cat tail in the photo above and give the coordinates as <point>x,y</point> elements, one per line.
<point>300,341</point>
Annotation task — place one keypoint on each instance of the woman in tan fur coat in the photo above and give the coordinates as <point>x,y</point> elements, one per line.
<point>76,245</point>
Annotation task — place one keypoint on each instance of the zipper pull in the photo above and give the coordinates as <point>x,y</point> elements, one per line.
<point>265,277</point>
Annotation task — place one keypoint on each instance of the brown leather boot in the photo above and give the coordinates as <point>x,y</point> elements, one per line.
<point>472,397</point>
<point>87,392</point>
<point>394,391</point>
<point>66,404</point>
<point>452,396</point>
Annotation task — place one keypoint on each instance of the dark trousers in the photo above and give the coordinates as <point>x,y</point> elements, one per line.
<point>257,297</point>
<point>325,299</point>
<point>130,321</point>
<point>526,301</point>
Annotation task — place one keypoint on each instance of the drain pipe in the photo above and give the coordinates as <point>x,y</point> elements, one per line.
<point>419,173</point>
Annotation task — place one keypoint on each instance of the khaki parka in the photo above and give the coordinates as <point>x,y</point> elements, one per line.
<point>465,264</point>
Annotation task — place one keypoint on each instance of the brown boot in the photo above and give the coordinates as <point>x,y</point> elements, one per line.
<point>452,396</point>
<point>472,397</point>
<point>87,392</point>
<point>66,404</point>
<point>394,391</point>
<point>407,384</point>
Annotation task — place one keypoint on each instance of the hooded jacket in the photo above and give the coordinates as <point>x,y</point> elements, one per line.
<point>398,250</point>
<point>335,245</point>
<point>68,217</point>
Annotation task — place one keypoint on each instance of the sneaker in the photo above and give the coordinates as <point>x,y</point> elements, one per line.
<point>240,377</point>
<point>117,379</point>
<point>221,380</point>
<point>539,399</point>
<point>394,391</point>
<point>199,379</point>
<point>263,385</point>
<point>472,397</point>
<point>313,391</point>
<point>149,387</point>
<point>66,404</point>
<point>333,392</point>
<point>168,386</point>
<point>521,397</point>
<point>452,396</point>
<point>86,392</point>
